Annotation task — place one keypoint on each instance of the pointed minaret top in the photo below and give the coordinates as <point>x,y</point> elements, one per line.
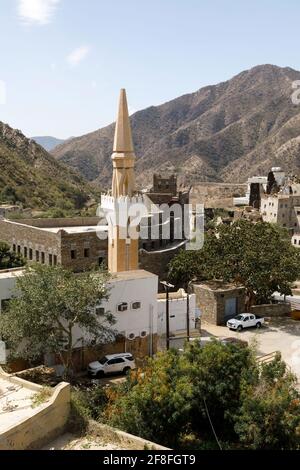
<point>123,139</point>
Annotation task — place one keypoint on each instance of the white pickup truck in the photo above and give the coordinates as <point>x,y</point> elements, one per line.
<point>245,320</point>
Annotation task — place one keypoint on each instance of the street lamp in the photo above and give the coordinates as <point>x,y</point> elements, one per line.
<point>167,287</point>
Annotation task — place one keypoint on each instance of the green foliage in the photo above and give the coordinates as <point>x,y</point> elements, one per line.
<point>171,400</point>
<point>260,256</point>
<point>9,259</point>
<point>41,397</point>
<point>52,302</point>
<point>269,416</point>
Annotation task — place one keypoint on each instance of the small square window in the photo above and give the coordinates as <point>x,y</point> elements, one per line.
<point>135,305</point>
<point>100,311</point>
<point>73,254</point>
<point>123,307</point>
<point>86,252</point>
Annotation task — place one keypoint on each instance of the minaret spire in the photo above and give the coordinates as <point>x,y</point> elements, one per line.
<point>123,183</point>
<point>123,138</point>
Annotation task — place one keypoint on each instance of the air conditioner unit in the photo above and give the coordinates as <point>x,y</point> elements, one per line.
<point>131,336</point>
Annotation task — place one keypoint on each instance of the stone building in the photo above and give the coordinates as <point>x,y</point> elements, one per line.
<point>283,208</point>
<point>219,301</point>
<point>72,243</point>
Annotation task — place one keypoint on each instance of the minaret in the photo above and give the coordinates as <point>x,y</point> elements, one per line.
<point>123,157</point>
<point>122,249</point>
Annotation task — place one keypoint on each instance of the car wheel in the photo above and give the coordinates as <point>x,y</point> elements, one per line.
<point>126,370</point>
<point>240,328</point>
<point>258,325</point>
<point>100,374</point>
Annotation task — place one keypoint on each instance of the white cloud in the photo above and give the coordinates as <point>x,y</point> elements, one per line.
<point>37,11</point>
<point>79,54</point>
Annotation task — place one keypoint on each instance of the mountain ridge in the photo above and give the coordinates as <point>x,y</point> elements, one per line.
<point>221,132</point>
<point>30,175</point>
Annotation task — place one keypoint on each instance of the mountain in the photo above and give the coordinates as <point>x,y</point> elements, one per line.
<point>225,132</point>
<point>32,176</point>
<point>48,142</point>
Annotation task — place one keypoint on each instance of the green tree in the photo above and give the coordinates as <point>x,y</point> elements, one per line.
<point>269,417</point>
<point>206,397</point>
<point>259,256</point>
<point>9,259</point>
<point>51,303</point>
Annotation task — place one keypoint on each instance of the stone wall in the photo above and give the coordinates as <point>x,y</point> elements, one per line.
<point>60,222</point>
<point>156,262</point>
<point>211,301</point>
<point>45,423</point>
<point>272,310</point>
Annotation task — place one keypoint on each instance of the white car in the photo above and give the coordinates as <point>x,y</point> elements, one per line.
<point>112,364</point>
<point>245,320</point>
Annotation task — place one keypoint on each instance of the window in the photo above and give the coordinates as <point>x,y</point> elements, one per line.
<point>55,260</point>
<point>73,254</point>
<point>4,304</point>
<point>295,241</point>
<point>86,252</point>
<point>37,256</point>
<point>123,307</point>
<point>100,261</point>
<point>14,247</point>
<point>43,257</point>
<point>19,250</point>
<point>25,252</point>
<point>144,246</point>
<point>50,260</point>
<point>118,360</point>
<point>100,311</point>
<point>298,242</point>
<point>135,305</point>
<point>30,254</point>
<point>284,225</point>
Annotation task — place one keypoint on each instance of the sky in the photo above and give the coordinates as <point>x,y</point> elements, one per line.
<point>62,62</point>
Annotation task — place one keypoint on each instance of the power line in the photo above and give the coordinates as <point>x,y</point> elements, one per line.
<point>211,424</point>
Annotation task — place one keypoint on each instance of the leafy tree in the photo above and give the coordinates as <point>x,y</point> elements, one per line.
<point>51,303</point>
<point>207,396</point>
<point>259,256</point>
<point>9,259</point>
<point>269,417</point>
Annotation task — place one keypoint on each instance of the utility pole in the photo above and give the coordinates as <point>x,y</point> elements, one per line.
<point>188,312</point>
<point>167,286</point>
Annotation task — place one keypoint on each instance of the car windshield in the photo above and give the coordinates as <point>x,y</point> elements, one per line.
<point>239,317</point>
<point>103,360</point>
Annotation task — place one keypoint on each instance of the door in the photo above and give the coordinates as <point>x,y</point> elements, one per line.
<point>115,365</point>
<point>230,308</point>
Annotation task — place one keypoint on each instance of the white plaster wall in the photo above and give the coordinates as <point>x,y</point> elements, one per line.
<point>177,312</point>
<point>129,291</point>
<point>7,286</point>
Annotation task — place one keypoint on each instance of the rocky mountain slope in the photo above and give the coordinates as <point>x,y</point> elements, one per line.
<point>32,176</point>
<point>224,132</point>
<point>49,143</point>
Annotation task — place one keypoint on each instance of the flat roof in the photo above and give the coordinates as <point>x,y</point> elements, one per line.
<point>218,285</point>
<point>7,273</point>
<point>76,229</point>
<point>131,275</point>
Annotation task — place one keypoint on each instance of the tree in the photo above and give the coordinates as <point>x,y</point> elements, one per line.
<point>259,256</point>
<point>51,303</point>
<point>205,397</point>
<point>9,259</point>
<point>269,417</point>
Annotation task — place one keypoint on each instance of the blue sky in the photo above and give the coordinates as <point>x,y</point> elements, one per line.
<point>63,61</point>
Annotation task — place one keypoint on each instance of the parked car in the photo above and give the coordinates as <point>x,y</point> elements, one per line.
<point>245,320</point>
<point>112,364</point>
